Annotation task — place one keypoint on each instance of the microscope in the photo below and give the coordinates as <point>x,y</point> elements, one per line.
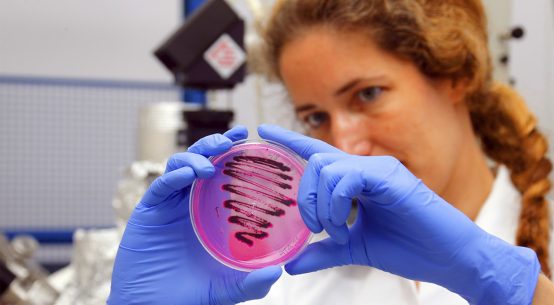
<point>207,52</point>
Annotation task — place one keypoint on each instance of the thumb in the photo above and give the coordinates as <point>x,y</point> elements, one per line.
<point>256,285</point>
<point>321,255</point>
<point>301,144</point>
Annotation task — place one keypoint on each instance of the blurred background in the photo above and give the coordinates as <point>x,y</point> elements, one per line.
<point>88,114</point>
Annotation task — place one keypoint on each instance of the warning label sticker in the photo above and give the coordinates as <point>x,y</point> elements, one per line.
<point>225,56</point>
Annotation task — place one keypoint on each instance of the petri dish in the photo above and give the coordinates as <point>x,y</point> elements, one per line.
<point>246,216</point>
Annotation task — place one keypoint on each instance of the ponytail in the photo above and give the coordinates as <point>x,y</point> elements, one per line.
<point>509,135</point>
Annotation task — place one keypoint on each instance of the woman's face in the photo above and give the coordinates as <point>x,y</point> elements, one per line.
<point>366,101</point>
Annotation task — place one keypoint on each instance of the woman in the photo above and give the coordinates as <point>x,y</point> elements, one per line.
<point>412,79</point>
<point>408,79</point>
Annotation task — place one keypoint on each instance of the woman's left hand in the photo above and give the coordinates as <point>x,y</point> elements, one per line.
<point>402,227</point>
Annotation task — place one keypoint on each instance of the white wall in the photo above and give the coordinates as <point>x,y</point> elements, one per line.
<point>532,59</point>
<point>100,39</point>
<point>499,15</point>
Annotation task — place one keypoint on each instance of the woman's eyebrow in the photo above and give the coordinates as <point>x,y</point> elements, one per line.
<point>304,108</point>
<point>347,86</point>
<point>351,84</point>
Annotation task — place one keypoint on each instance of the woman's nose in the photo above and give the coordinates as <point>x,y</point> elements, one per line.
<point>354,146</point>
<point>351,138</point>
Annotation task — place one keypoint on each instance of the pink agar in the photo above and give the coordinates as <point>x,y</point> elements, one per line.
<point>246,216</point>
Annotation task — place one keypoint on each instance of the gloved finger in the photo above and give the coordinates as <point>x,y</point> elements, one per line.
<point>201,166</point>
<point>302,145</point>
<point>318,256</point>
<point>207,146</point>
<point>237,133</point>
<point>257,284</point>
<point>211,145</point>
<point>350,186</point>
<point>167,184</point>
<point>328,179</point>
<point>307,190</point>
<point>387,181</point>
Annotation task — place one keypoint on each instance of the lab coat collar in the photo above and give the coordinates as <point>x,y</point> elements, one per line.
<point>499,215</point>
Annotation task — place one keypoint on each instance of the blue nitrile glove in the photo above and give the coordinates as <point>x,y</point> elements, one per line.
<point>402,227</point>
<point>160,260</point>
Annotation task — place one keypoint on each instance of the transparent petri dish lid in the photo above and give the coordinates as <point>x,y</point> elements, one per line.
<point>246,216</point>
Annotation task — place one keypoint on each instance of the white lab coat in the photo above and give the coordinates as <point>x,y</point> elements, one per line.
<point>354,285</point>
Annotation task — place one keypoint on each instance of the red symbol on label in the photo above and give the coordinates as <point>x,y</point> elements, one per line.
<point>225,56</point>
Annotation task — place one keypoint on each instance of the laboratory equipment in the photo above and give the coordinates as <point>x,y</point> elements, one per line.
<point>204,122</point>
<point>207,51</point>
<point>22,280</point>
<point>246,215</point>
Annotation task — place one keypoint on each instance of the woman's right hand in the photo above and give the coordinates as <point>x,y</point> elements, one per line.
<point>161,261</point>
<point>402,227</point>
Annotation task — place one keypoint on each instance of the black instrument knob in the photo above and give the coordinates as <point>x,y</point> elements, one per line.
<point>517,32</point>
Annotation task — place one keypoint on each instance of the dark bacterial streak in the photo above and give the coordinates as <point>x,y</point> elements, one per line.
<point>243,174</point>
<point>256,196</point>
<point>270,210</point>
<point>259,168</point>
<point>262,161</point>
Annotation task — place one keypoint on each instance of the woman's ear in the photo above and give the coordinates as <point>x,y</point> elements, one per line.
<point>454,89</point>
<point>459,90</point>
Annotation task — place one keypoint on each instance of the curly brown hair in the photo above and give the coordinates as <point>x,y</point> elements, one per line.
<point>445,39</point>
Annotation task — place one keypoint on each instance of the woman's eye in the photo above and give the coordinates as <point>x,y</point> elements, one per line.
<point>369,94</point>
<point>315,120</point>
